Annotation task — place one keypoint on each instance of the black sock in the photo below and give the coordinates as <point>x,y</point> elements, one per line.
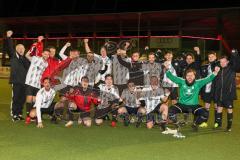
<point>114,118</point>
<point>215,114</point>
<point>229,120</point>
<point>139,116</point>
<point>219,119</point>
<point>125,116</point>
<point>207,113</point>
<point>28,108</point>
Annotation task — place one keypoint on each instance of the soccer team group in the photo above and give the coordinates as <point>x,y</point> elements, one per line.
<point>115,86</point>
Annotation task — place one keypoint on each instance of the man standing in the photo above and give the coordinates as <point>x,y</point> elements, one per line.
<point>19,67</point>
<point>225,88</point>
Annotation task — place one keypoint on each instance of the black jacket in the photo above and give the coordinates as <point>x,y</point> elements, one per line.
<point>135,70</point>
<point>225,83</point>
<point>196,65</point>
<point>19,64</point>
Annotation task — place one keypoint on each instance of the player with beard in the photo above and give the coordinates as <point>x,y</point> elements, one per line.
<point>188,97</point>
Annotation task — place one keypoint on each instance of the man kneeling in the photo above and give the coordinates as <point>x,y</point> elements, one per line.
<point>188,97</point>
<point>43,104</point>
<point>80,100</point>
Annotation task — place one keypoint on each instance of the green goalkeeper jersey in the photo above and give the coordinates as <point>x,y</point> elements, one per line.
<point>189,94</point>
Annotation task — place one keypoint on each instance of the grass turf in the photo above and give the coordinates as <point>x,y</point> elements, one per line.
<point>55,142</point>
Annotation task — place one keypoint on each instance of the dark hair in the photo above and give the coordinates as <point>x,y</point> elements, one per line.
<point>151,53</point>
<point>212,52</point>
<point>130,81</point>
<point>190,70</point>
<point>51,47</point>
<point>74,50</point>
<point>108,75</point>
<point>46,50</point>
<point>104,47</point>
<point>84,78</point>
<point>168,51</point>
<point>224,56</point>
<point>46,78</point>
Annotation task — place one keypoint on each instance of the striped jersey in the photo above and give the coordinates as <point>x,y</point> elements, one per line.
<point>151,69</point>
<point>152,97</point>
<point>107,95</point>
<point>75,71</point>
<point>35,71</point>
<point>120,73</point>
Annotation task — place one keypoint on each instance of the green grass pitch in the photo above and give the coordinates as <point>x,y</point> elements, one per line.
<point>55,142</point>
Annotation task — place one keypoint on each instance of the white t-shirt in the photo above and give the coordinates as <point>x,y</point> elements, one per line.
<point>44,99</point>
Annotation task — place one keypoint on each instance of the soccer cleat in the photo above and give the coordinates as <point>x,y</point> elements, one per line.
<point>195,127</point>
<point>228,129</point>
<point>20,117</point>
<point>15,118</point>
<point>54,120</point>
<point>216,126</point>
<point>162,125</point>
<point>28,120</point>
<point>79,121</point>
<point>69,124</point>
<point>203,125</point>
<point>113,123</point>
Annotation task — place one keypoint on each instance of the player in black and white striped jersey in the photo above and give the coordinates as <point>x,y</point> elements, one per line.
<point>153,100</point>
<point>33,78</point>
<point>130,98</point>
<point>151,68</point>
<point>43,104</point>
<point>120,73</point>
<point>93,68</point>
<point>110,98</point>
<point>76,70</point>
<point>103,60</point>
<point>176,70</point>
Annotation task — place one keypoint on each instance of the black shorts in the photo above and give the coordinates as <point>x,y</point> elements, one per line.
<point>225,104</point>
<point>132,110</point>
<point>173,92</point>
<point>207,97</point>
<point>181,108</point>
<point>120,87</point>
<point>82,114</point>
<point>100,113</point>
<point>151,117</point>
<point>31,91</point>
<point>49,110</point>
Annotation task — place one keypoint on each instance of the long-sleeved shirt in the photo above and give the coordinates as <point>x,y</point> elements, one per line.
<point>189,94</point>
<point>44,99</point>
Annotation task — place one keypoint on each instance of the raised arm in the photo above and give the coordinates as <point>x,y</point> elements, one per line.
<point>172,77</point>
<point>209,78</point>
<point>28,56</point>
<point>9,44</point>
<point>124,63</point>
<point>61,53</point>
<point>87,48</point>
